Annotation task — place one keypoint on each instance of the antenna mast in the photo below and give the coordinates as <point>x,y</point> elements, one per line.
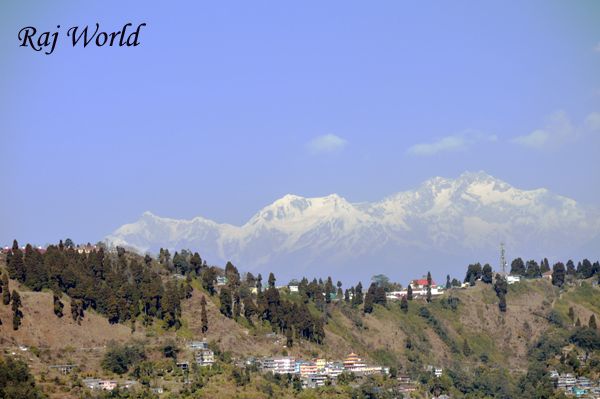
<point>502,258</point>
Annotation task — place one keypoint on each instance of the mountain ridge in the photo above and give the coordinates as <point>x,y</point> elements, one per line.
<point>443,218</point>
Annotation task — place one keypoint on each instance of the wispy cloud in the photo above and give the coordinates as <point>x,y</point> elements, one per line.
<point>558,130</point>
<point>456,142</point>
<point>326,144</point>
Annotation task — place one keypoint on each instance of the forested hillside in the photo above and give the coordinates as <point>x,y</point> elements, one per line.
<point>122,316</point>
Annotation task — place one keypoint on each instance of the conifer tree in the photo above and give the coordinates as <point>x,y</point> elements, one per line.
<point>209,276</point>
<point>6,290</point>
<point>592,322</point>
<point>358,295</point>
<point>58,306</point>
<point>486,274</point>
<point>225,299</point>
<point>409,293</point>
<point>404,304</point>
<point>517,267</point>
<point>249,309</point>
<point>428,296</point>
<point>259,283</point>
<point>448,283</point>
<point>571,268</point>
<point>16,265</point>
<point>370,298</point>
<point>271,280</point>
<point>347,296</point>
<point>16,308</point>
<point>237,305</point>
<point>203,315</point>
<point>466,348</point>
<point>558,274</point>
<point>77,311</point>
<point>328,289</point>
<point>501,288</point>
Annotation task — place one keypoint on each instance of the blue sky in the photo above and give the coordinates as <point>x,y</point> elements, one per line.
<point>226,106</point>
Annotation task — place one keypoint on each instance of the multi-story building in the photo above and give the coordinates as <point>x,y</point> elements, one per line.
<point>284,365</point>
<point>353,363</point>
<point>204,357</point>
<point>308,368</point>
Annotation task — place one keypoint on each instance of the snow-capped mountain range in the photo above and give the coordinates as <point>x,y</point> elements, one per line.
<point>441,226</point>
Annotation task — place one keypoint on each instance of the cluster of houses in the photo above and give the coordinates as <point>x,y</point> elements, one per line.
<point>419,290</point>
<point>314,373</point>
<point>82,249</point>
<point>106,385</point>
<point>203,355</point>
<point>581,387</point>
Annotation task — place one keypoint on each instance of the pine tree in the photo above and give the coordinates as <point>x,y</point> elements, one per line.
<point>77,311</point>
<point>347,296</point>
<point>16,265</point>
<point>209,276</point>
<point>6,290</point>
<point>571,268</point>
<point>237,305</point>
<point>271,280</point>
<point>203,315</point>
<point>369,299</point>
<point>232,274</point>
<point>409,293</point>
<point>289,335</point>
<point>429,280</point>
<point>259,283</point>
<point>517,267</point>
<point>558,274</point>
<point>502,303</point>
<point>486,274</point>
<point>448,283</point>
<point>466,348</point>
<point>58,306</point>
<point>592,322</point>
<point>16,308</point>
<point>501,288</point>
<point>328,289</point>
<point>428,295</point>
<point>358,295</point>
<point>404,304</point>
<point>225,299</point>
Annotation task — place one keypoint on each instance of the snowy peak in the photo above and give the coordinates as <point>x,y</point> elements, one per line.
<point>466,216</point>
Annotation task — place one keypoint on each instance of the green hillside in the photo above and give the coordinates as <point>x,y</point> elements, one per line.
<point>482,350</point>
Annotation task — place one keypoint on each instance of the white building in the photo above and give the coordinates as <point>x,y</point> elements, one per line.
<point>510,279</point>
<point>204,357</point>
<point>284,365</point>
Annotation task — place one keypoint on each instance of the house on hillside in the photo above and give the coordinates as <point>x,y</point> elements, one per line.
<point>86,249</point>
<point>197,345</point>
<point>221,281</point>
<point>511,279</point>
<point>204,357</point>
<point>547,275</point>
<point>293,288</point>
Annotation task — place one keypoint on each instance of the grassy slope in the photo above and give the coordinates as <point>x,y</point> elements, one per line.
<point>379,337</point>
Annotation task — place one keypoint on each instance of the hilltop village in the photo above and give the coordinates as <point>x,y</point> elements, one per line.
<point>172,326</point>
